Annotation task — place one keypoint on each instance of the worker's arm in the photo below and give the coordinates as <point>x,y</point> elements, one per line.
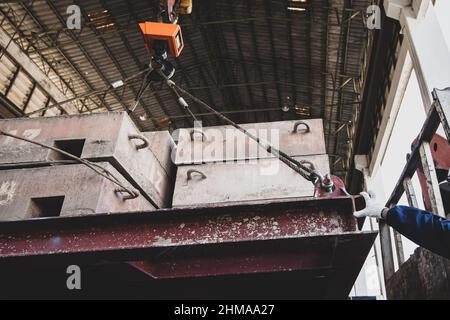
<point>425,229</point>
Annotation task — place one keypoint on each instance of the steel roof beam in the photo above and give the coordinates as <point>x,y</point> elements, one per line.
<point>33,70</point>
<point>88,57</point>
<point>38,22</point>
<point>347,20</point>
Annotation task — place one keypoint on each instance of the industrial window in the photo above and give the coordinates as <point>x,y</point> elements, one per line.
<point>45,207</point>
<point>74,147</point>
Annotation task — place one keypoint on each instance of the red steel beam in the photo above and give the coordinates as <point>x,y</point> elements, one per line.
<point>343,253</point>
<point>272,236</point>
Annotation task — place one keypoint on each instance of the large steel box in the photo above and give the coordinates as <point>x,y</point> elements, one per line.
<point>63,191</point>
<point>226,143</point>
<point>108,137</point>
<point>242,181</point>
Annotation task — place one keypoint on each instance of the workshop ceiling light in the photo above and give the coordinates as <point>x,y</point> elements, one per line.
<point>298,5</point>
<point>303,111</point>
<point>297,9</point>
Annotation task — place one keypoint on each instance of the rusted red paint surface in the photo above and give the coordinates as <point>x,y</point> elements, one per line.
<point>314,238</point>
<point>333,252</point>
<point>338,189</point>
<point>440,149</point>
<point>182,227</point>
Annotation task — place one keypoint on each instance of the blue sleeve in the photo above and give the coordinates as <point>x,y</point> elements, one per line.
<point>425,229</point>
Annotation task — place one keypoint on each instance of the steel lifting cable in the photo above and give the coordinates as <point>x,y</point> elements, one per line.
<point>106,174</point>
<point>184,104</point>
<point>180,99</point>
<point>144,85</point>
<point>305,168</point>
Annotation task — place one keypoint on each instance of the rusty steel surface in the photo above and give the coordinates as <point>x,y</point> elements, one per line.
<point>339,190</point>
<point>212,144</point>
<point>309,244</point>
<point>440,149</point>
<point>114,235</point>
<point>81,192</point>
<point>310,268</point>
<point>282,255</point>
<point>242,181</point>
<point>103,136</point>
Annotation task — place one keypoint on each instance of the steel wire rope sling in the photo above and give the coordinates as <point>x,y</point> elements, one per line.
<point>132,194</point>
<point>305,168</point>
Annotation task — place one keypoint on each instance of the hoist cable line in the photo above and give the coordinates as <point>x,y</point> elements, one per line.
<point>132,194</point>
<point>144,85</point>
<point>305,168</point>
<point>182,102</point>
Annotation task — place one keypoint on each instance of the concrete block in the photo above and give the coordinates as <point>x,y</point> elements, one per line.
<point>226,143</point>
<point>110,137</point>
<point>63,191</point>
<point>162,145</point>
<point>242,182</point>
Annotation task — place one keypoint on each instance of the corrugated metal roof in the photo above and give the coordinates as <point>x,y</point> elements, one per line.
<point>245,57</point>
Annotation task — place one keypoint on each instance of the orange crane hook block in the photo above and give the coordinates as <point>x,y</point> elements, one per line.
<point>156,33</point>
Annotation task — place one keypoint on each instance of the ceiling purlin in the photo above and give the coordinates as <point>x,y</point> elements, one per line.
<point>257,59</point>
<point>276,76</point>
<point>237,39</point>
<point>71,34</point>
<point>22,36</point>
<point>212,37</point>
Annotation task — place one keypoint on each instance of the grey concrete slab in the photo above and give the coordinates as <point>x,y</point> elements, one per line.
<point>63,190</point>
<point>96,137</point>
<point>224,143</point>
<point>242,181</point>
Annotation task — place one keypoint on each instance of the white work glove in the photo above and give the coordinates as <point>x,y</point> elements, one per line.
<point>373,209</point>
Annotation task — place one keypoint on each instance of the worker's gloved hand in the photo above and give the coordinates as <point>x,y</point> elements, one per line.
<point>374,209</point>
